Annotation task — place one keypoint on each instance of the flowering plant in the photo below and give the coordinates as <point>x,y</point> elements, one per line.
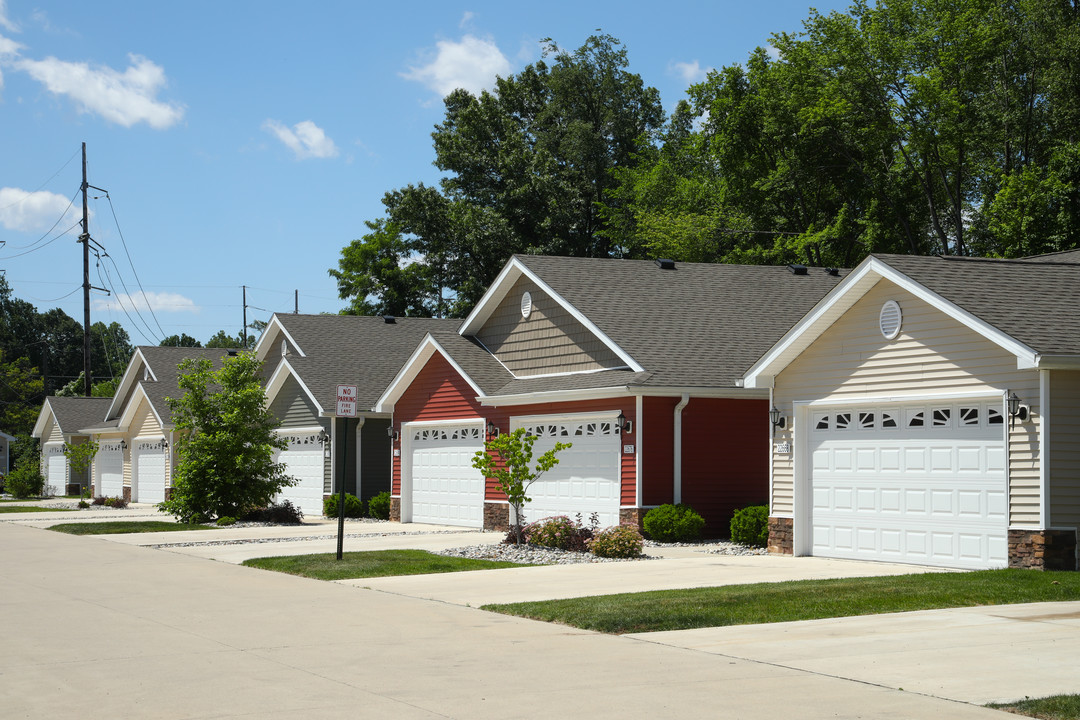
<point>621,541</point>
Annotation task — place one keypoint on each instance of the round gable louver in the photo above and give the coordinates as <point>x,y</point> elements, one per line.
<point>889,320</point>
<point>526,304</point>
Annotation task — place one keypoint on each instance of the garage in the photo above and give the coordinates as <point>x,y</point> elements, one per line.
<point>921,483</point>
<point>55,469</point>
<point>110,462</point>
<point>148,482</point>
<point>304,460</point>
<point>587,478</point>
<point>445,487</point>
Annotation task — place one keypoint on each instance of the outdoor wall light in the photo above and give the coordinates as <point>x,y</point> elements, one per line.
<point>1017,410</point>
<point>164,443</point>
<point>777,420</point>
<point>392,433</point>
<point>323,437</point>
<point>492,430</point>
<point>626,426</point>
<point>123,445</point>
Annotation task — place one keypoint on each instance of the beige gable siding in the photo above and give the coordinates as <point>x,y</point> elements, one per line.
<point>933,354</point>
<point>145,423</point>
<point>52,432</point>
<point>1064,448</point>
<point>550,340</point>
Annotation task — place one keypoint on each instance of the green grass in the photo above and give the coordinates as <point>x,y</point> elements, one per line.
<point>120,527</point>
<point>798,600</point>
<point>379,563</point>
<point>33,508</point>
<point>1055,707</point>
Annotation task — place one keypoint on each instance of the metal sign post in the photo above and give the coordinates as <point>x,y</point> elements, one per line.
<point>346,408</point>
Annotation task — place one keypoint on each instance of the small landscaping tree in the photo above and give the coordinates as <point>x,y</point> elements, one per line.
<point>80,456</point>
<point>226,442</point>
<point>508,459</point>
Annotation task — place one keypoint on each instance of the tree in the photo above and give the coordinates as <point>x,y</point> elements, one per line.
<point>526,166</point>
<point>507,458</point>
<point>102,388</point>
<point>226,441</point>
<point>222,339</point>
<point>80,455</point>
<point>181,340</point>
<point>20,396</point>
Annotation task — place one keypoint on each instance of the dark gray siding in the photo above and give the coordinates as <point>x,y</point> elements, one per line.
<point>374,459</point>
<point>294,408</point>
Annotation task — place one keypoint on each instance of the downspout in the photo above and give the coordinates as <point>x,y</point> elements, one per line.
<point>677,489</point>
<point>357,434</point>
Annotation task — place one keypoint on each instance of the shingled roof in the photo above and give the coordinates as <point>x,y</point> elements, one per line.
<point>73,414</point>
<point>696,325</point>
<point>1034,300</point>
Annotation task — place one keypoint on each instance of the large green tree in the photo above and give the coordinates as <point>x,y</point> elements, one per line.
<point>526,165</point>
<point>226,441</point>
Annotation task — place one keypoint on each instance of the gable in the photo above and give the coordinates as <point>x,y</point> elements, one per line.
<point>437,392</point>
<point>549,341</point>
<point>292,406</point>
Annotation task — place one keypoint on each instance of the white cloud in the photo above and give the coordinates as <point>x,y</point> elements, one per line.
<point>471,63</point>
<point>124,98</point>
<point>6,22</point>
<point>465,19</point>
<point>158,302</point>
<point>25,211</point>
<point>690,72</point>
<point>305,139</point>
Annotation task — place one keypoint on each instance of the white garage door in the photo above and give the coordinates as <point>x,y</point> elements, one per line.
<point>587,478</point>
<point>917,483</point>
<point>304,460</point>
<point>55,469</point>
<point>148,465</point>
<point>110,462</point>
<point>445,487</point>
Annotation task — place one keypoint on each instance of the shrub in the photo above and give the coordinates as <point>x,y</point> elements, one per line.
<point>99,500</point>
<point>673,523</point>
<point>558,532</point>
<point>25,481</point>
<point>116,502</point>
<point>226,521</point>
<point>83,504</point>
<point>282,513</point>
<point>750,526</point>
<point>379,506</point>
<point>621,541</point>
<point>354,506</point>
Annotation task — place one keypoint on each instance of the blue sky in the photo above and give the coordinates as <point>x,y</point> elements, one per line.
<point>244,143</point>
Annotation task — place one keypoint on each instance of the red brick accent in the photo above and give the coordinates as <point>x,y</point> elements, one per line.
<point>781,536</point>
<point>127,493</point>
<point>632,516</point>
<point>168,493</point>
<point>395,509</point>
<point>1042,549</point>
<point>496,516</point>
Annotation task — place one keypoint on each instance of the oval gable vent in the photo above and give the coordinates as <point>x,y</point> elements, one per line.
<point>526,304</point>
<point>889,320</point>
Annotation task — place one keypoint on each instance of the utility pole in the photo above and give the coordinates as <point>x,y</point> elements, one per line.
<point>244,331</point>
<point>85,240</point>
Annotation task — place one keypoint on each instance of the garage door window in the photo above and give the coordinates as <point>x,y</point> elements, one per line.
<point>569,430</point>
<point>464,433</point>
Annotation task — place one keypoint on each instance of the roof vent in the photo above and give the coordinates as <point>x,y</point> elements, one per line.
<point>232,353</point>
<point>889,319</point>
<point>832,271</point>
<point>797,269</point>
<point>665,263</point>
<point>389,319</point>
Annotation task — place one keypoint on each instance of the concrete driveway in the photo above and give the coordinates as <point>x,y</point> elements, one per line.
<point>98,629</point>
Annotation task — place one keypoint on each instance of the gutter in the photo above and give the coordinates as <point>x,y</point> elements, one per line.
<point>677,487</point>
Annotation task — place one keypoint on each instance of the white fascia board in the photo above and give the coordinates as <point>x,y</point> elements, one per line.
<point>5,435</point>
<point>126,381</point>
<point>845,294</point>
<point>553,396</point>
<point>732,393</point>
<point>281,373</point>
<point>498,290</point>
<point>129,410</point>
<point>44,414</point>
<point>262,347</point>
<point>1057,362</point>
<point>412,367</point>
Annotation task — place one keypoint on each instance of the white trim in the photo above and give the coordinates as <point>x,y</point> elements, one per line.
<point>299,430</point>
<point>639,415</point>
<point>922,397</point>
<point>277,381</point>
<point>501,287</point>
<point>132,406</point>
<point>1057,362</point>
<point>259,349</point>
<point>406,430</point>
<point>772,451</point>
<point>1044,448</point>
<point>412,368</point>
<point>518,421</point>
<point>721,393</point>
<point>552,396</point>
<point>801,494</point>
<point>129,378</point>
<point>846,294</point>
<point>676,490</point>
<point>565,374</point>
<point>43,418</point>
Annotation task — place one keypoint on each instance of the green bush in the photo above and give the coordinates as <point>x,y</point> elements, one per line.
<point>116,502</point>
<point>557,532</point>
<point>750,526</point>
<point>226,521</point>
<point>83,504</point>
<point>673,523</point>
<point>354,506</point>
<point>621,541</point>
<point>282,513</point>
<point>25,481</point>
<point>379,506</point>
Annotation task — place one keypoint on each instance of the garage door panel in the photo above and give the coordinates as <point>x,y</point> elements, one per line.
<point>304,459</point>
<point>445,487</point>
<point>149,471</point>
<point>55,469</point>
<point>110,461</point>
<point>930,489</point>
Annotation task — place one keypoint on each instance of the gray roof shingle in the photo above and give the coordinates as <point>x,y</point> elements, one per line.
<point>75,413</point>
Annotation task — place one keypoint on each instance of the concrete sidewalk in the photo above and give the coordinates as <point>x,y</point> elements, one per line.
<point>98,629</point>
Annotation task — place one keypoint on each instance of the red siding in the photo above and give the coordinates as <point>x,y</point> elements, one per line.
<point>725,458</point>
<point>658,450</point>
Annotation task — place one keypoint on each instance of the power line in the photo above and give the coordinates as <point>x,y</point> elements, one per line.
<point>111,286</point>
<point>47,232</point>
<point>41,247</point>
<point>62,167</point>
<point>128,253</point>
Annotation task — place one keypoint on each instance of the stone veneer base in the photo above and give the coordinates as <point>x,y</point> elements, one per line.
<point>395,509</point>
<point>632,516</point>
<point>1043,549</point>
<point>781,535</point>
<point>497,516</point>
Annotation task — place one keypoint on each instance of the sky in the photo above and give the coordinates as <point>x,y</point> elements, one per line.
<point>245,143</point>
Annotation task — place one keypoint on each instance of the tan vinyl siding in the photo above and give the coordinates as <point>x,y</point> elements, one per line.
<point>551,340</point>
<point>933,354</point>
<point>1064,449</point>
<point>52,433</point>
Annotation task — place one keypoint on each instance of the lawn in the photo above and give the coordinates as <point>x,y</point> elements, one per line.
<point>378,563</point>
<point>32,508</point>
<point>798,600</point>
<point>1055,707</point>
<point>120,527</point>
